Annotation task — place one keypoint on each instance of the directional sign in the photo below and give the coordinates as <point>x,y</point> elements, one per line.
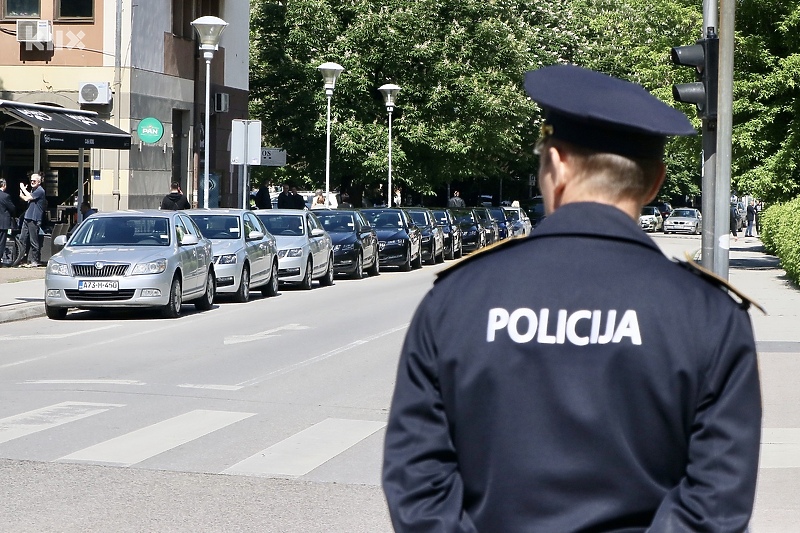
<point>245,142</point>
<point>273,157</point>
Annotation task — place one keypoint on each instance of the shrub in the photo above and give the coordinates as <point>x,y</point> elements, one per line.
<point>780,233</point>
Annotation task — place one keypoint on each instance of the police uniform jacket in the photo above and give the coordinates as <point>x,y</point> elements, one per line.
<point>576,380</point>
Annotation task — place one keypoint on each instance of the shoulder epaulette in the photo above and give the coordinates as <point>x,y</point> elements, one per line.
<point>714,279</point>
<point>479,253</point>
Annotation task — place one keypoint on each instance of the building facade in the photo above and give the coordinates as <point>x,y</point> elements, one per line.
<point>126,60</point>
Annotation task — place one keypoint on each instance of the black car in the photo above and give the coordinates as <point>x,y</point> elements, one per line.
<point>473,236</point>
<point>355,243</point>
<point>535,210</point>
<point>502,221</point>
<point>451,232</point>
<point>490,226</point>
<point>432,236</point>
<point>399,239</point>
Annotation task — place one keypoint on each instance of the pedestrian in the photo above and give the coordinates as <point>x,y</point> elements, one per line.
<point>751,218</point>
<point>7,212</point>
<point>285,198</point>
<point>297,201</point>
<point>456,200</point>
<point>735,222</point>
<point>87,210</point>
<point>175,200</point>
<point>319,200</point>
<point>263,199</point>
<point>565,399</point>
<point>345,200</point>
<point>32,219</point>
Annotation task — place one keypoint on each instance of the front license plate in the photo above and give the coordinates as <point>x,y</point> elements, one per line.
<point>84,285</point>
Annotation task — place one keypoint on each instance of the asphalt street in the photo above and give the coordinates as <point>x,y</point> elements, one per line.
<point>269,415</point>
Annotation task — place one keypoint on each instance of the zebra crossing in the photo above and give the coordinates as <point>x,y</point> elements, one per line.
<point>293,457</point>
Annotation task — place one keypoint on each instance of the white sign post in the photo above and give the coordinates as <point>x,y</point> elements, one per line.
<point>245,151</point>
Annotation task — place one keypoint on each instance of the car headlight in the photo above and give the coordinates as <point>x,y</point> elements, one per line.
<point>395,241</point>
<point>290,252</point>
<point>227,259</point>
<point>153,267</point>
<point>344,247</point>
<point>57,269</point>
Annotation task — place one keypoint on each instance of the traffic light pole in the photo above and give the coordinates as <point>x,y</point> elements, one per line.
<point>709,131</point>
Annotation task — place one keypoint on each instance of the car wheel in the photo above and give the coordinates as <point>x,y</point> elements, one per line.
<point>358,272</point>
<point>206,302</point>
<point>243,293</point>
<point>271,288</point>
<point>451,253</point>
<point>460,253</point>
<point>306,283</point>
<point>417,263</point>
<point>375,269</point>
<point>327,279</point>
<point>440,258</point>
<point>55,313</point>
<point>406,266</point>
<point>432,259</point>
<point>173,307</point>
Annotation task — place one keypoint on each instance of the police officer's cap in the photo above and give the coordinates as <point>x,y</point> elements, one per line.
<point>601,113</point>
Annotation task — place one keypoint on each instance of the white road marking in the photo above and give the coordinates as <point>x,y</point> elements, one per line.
<point>136,446</point>
<point>14,427</point>
<point>210,387</point>
<point>780,448</point>
<point>54,336</point>
<point>7,365</point>
<point>83,382</point>
<point>304,451</point>
<point>237,339</point>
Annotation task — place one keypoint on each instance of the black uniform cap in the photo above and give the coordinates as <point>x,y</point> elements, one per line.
<point>602,113</point>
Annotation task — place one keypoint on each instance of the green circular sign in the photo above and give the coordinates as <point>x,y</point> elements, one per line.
<point>150,130</point>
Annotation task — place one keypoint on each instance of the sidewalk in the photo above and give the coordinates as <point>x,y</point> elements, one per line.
<point>21,293</point>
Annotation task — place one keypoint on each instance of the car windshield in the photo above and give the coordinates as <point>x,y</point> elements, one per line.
<point>118,230</point>
<point>483,215</point>
<point>441,217</point>
<point>512,214</point>
<point>464,216</point>
<point>419,218</point>
<point>498,214</point>
<point>218,226</point>
<point>334,222</point>
<point>387,220</point>
<point>686,213</point>
<point>289,225</point>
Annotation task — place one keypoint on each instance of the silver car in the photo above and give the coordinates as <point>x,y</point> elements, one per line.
<point>519,222</point>
<point>684,220</point>
<point>245,253</point>
<point>650,219</point>
<point>147,258</point>
<point>305,250</point>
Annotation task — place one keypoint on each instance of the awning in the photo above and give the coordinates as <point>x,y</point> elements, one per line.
<point>59,127</point>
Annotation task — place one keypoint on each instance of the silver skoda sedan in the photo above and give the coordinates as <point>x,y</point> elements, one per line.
<point>245,255</point>
<point>147,258</point>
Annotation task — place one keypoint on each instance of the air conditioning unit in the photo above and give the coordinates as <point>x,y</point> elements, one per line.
<point>34,31</point>
<point>95,92</point>
<point>222,102</point>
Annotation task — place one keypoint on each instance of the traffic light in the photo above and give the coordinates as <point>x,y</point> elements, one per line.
<point>703,56</point>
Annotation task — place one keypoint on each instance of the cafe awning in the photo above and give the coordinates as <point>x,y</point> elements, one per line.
<point>58,127</point>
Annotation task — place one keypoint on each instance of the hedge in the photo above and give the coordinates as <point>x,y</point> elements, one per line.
<point>780,233</point>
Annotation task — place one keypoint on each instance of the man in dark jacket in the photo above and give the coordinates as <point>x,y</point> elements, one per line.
<point>7,211</point>
<point>175,200</point>
<point>263,199</point>
<point>565,399</point>
<point>285,198</point>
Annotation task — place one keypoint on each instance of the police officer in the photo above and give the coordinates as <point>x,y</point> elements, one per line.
<point>566,399</point>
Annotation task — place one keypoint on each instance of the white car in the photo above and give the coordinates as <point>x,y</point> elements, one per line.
<point>245,253</point>
<point>147,258</point>
<point>305,250</point>
<point>650,219</point>
<point>684,220</point>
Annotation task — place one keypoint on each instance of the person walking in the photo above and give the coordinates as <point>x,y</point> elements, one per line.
<point>297,201</point>
<point>751,218</point>
<point>456,201</point>
<point>564,399</point>
<point>734,222</point>
<point>175,200</point>
<point>32,219</point>
<point>285,198</point>
<point>7,212</point>
<point>263,198</point>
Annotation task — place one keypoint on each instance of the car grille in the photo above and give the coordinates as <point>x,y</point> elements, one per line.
<point>90,271</point>
<point>99,296</point>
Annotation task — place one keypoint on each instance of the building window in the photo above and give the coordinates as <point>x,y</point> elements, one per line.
<point>182,17</point>
<point>74,9</point>
<point>21,8</point>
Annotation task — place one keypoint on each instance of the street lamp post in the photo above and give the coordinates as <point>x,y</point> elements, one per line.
<point>330,73</point>
<point>208,30</point>
<point>389,92</point>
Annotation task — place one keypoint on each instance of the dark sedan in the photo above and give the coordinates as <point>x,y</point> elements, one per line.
<point>502,221</point>
<point>490,226</point>
<point>399,239</point>
<point>355,243</point>
<point>473,236</point>
<point>432,236</point>
<point>451,232</point>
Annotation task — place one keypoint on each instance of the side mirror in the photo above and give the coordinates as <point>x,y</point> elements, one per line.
<point>317,232</point>
<point>189,239</point>
<point>60,240</point>
<point>255,235</point>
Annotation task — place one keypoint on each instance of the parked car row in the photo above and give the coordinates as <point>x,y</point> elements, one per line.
<point>680,220</point>
<point>163,259</point>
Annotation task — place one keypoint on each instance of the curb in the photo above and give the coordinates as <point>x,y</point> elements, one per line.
<point>22,312</point>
